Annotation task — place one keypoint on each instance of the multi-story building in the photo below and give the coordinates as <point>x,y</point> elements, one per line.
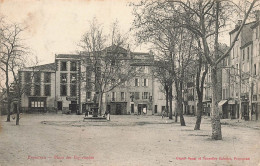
<point>255,71</point>
<point>38,88</point>
<point>243,74</point>
<point>67,86</point>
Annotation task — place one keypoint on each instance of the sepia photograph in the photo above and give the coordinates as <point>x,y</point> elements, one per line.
<point>129,82</point>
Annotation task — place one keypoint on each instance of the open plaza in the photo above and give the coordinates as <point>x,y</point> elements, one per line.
<point>59,139</point>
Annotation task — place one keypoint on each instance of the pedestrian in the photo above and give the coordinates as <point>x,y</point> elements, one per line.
<point>108,115</point>
<point>163,114</point>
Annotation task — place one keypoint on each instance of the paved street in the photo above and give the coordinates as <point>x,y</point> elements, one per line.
<point>51,139</point>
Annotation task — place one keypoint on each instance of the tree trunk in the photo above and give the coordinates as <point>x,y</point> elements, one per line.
<point>170,98</point>
<point>167,98</point>
<point>18,108</point>
<point>199,114</point>
<point>176,113</point>
<point>179,103</point>
<point>181,113</point>
<point>215,118</point>
<point>18,115</point>
<point>8,94</point>
<point>100,103</point>
<point>8,109</point>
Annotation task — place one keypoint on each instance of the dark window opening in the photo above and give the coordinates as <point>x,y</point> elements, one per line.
<point>47,90</point>
<point>73,78</point>
<point>47,77</point>
<point>37,90</point>
<point>155,109</point>
<point>73,90</point>
<point>63,90</point>
<point>73,66</point>
<point>63,78</point>
<point>63,66</point>
<point>37,77</point>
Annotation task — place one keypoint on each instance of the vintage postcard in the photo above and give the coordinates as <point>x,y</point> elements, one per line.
<point>129,82</point>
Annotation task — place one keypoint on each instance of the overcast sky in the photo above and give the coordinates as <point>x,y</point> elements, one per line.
<point>56,26</point>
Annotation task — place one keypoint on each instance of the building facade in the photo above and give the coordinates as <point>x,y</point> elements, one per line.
<point>38,88</point>
<point>244,72</point>
<point>68,86</point>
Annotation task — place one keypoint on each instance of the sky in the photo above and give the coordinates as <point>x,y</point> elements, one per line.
<point>56,26</point>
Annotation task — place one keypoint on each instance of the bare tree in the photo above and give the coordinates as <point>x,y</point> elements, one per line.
<point>11,51</point>
<point>173,45</point>
<point>205,19</point>
<point>109,61</point>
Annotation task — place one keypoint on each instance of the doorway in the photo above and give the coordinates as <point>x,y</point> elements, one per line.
<point>118,109</point>
<point>132,108</point>
<point>59,105</point>
<point>73,106</point>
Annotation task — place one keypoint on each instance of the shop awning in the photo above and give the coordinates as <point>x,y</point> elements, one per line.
<point>222,102</point>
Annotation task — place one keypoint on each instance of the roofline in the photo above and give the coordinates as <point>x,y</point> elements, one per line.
<point>236,28</point>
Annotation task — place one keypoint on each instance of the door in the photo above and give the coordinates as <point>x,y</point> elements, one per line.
<point>155,109</point>
<point>118,109</point>
<point>132,108</point>
<point>73,106</point>
<point>59,105</point>
<point>139,109</point>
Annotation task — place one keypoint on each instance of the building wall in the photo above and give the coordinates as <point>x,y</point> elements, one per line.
<point>49,101</point>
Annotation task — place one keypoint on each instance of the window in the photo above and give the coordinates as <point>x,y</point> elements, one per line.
<point>88,95</point>
<point>63,78</point>
<point>132,95</point>
<point>63,66</point>
<point>137,95</point>
<point>254,69</point>
<point>47,77</point>
<point>37,104</point>
<point>47,90</point>
<point>122,96</point>
<point>145,95</point>
<point>37,90</point>
<point>63,90</point>
<point>73,90</point>
<point>37,77</point>
<point>73,78</point>
<point>27,89</point>
<point>145,82</point>
<point>73,66</point>
<point>113,96</point>
<point>137,82</point>
<point>28,77</point>
<point>155,109</point>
